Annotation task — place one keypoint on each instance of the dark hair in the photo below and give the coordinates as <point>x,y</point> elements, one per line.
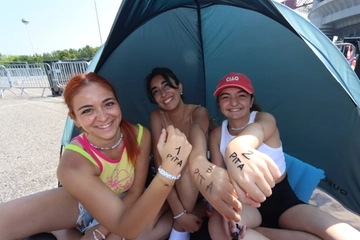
<point>254,107</point>
<point>72,88</point>
<point>166,73</point>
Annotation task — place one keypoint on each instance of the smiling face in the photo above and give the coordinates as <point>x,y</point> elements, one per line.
<point>97,112</point>
<point>166,97</point>
<point>235,103</point>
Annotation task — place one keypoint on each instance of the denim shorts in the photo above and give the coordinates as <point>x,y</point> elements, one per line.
<point>85,220</point>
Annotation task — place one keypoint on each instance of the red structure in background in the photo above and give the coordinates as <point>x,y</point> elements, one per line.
<point>298,4</point>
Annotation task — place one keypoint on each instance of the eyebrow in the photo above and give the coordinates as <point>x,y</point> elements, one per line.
<point>104,101</point>
<point>162,83</point>
<point>226,93</point>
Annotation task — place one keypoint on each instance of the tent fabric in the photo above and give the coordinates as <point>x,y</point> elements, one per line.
<point>298,74</point>
<point>303,178</point>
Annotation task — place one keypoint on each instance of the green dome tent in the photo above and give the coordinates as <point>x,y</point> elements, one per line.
<point>298,74</point>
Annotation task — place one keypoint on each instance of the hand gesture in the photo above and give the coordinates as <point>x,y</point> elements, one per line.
<point>252,173</point>
<point>189,222</point>
<point>174,150</point>
<point>215,185</point>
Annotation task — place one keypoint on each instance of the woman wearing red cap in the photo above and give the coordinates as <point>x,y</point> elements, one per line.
<point>248,141</point>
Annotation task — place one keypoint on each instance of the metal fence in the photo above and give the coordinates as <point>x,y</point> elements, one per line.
<point>52,75</point>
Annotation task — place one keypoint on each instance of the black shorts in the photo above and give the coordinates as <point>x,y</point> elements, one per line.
<point>282,198</point>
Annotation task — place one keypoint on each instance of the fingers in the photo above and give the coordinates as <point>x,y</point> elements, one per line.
<point>273,168</point>
<point>242,231</point>
<point>162,138</point>
<point>232,226</point>
<point>246,198</point>
<point>226,209</point>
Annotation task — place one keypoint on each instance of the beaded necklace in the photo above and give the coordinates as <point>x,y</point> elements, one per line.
<point>108,148</point>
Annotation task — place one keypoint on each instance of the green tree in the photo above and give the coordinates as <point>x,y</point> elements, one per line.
<point>85,53</point>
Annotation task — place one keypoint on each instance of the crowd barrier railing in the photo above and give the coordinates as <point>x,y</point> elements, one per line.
<point>5,83</point>
<point>39,75</point>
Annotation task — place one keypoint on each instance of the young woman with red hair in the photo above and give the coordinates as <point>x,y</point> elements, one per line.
<point>108,159</point>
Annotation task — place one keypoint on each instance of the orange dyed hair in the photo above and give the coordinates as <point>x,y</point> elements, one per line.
<point>78,82</point>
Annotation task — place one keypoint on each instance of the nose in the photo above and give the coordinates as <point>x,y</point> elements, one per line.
<point>233,102</point>
<point>102,115</point>
<point>162,92</point>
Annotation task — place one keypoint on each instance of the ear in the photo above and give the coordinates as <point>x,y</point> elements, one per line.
<point>252,101</point>
<point>71,115</point>
<point>180,87</point>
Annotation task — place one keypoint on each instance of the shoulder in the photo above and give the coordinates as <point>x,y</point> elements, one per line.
<point>198,110</point>
<point>155,114</point>
<point>136,128</point>
<point>216,132</point>
<point>264,116</point>
<point>75,141</point>
<point>73,161</point>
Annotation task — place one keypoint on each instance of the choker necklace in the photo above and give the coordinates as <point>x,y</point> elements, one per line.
<point>237,129</point>
<point>108,148</point>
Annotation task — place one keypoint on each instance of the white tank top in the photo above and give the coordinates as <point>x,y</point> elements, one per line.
<point>276,154</point>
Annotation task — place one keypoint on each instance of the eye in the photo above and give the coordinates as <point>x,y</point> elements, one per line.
<point>154,92</point>
<point>166,85</point>
<point>109,104</point>
<point>224,97</point>
<point>86,111</point>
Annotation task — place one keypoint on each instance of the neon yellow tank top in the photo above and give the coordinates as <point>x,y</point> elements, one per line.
<point>117,174</point>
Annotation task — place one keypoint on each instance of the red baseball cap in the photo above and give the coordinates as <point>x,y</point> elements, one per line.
<point>234,80</point>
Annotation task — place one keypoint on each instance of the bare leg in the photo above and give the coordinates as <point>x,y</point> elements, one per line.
<point>160,228</point>
<point>187,192</point>
<point>312,220</point>
<point>66,234</point>
<point>284,234</point>
<point>41,212</point>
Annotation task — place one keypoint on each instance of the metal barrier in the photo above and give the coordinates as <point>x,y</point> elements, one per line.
<point>63,71</point>
<point>5,83</point>
<point>39,75</point>
<point>25,76</point>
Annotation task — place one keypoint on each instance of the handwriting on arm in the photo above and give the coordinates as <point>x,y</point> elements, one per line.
<point>174,159</point>
<point>236,160</point>
<point>178,150</point>
<point>200,178</point>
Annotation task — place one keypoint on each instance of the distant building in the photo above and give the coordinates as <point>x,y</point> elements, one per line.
<point>336,17</point>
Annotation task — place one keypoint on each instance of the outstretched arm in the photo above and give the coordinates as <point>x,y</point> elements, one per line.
<point>156,126</point>
<point>105,206</point>
<point>213,182</point>
<point>252,173</point>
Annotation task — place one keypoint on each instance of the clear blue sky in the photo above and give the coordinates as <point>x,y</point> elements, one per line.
<point>54,24</point>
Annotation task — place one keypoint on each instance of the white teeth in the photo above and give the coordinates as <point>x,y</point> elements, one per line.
<point>167,100</point>
<point>105,126</point>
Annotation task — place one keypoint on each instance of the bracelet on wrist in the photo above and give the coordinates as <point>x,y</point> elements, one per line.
<point>180,214</point>
<point>100,233</point>
<point>168,175</point>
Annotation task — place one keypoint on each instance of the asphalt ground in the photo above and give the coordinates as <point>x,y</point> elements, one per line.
<point>31,128</point>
